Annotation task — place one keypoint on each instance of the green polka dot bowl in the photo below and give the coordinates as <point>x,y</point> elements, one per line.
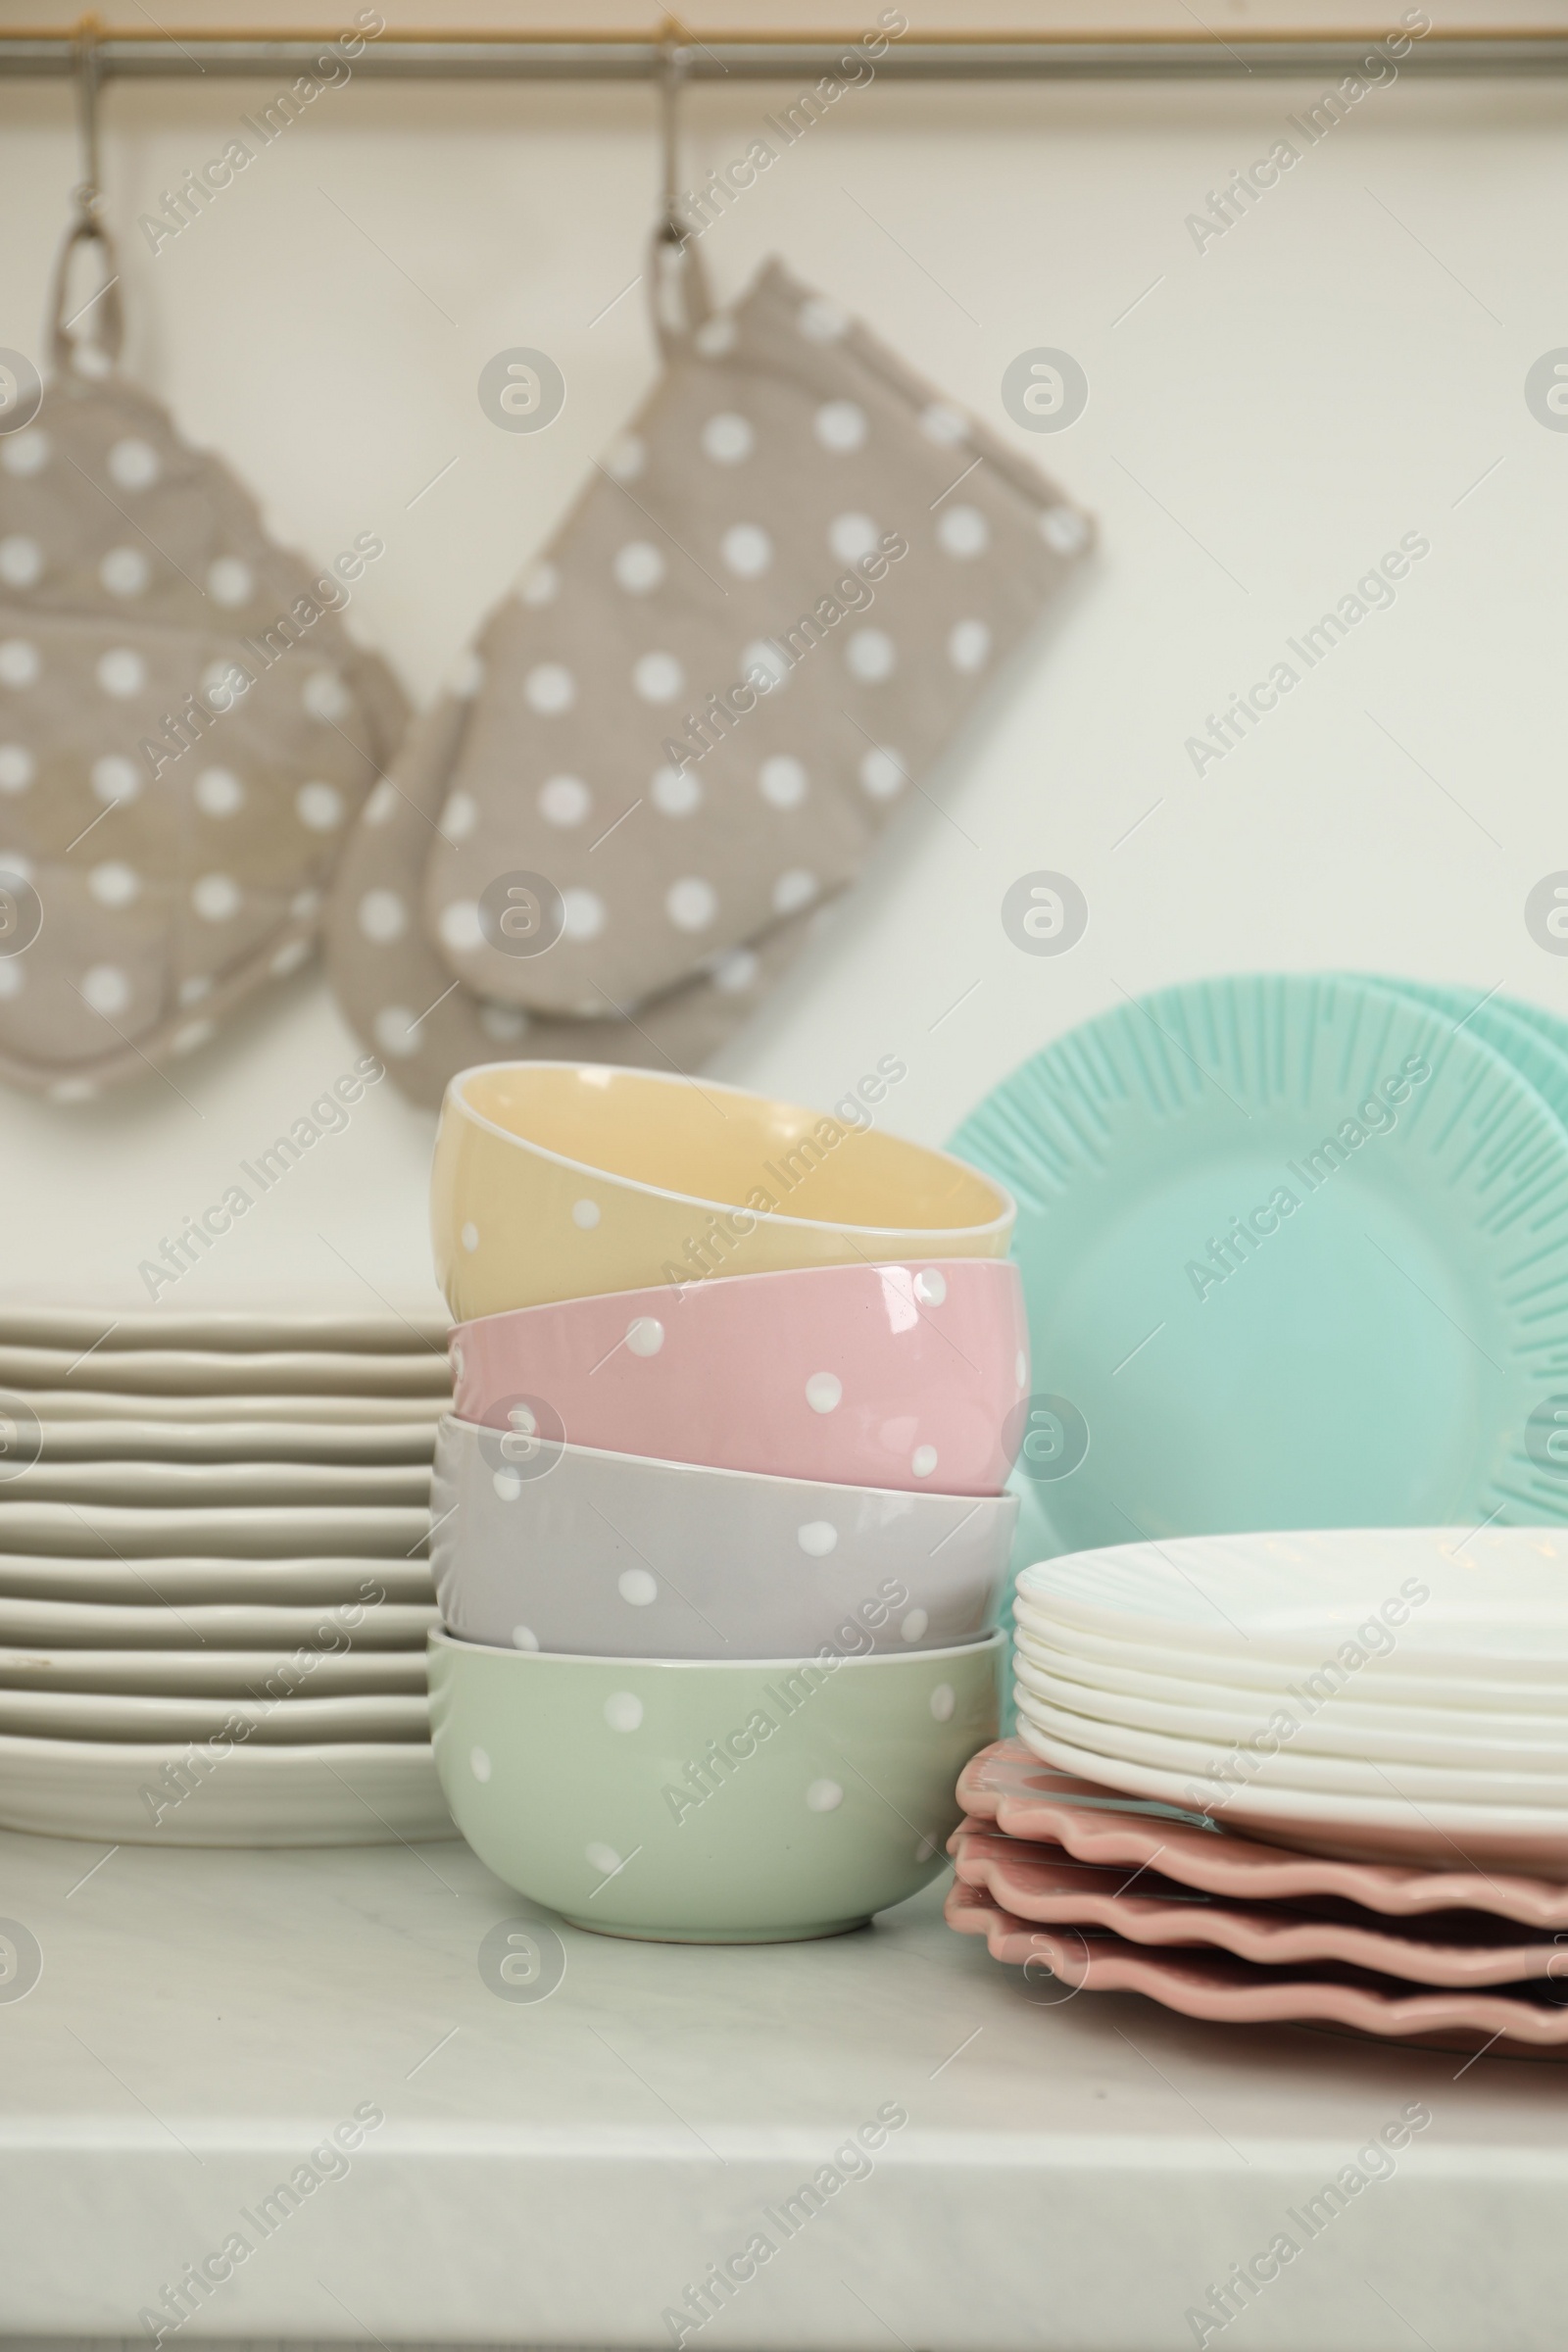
<point>707,1801</point>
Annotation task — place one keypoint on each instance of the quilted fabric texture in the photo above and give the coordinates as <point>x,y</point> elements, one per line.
<point>788,584</point>
<point>187,732</point>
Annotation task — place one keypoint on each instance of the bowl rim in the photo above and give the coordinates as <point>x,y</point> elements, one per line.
<point>708,1284</point>
<point>773,1478</point>
<point>439,1637</point>
<point>1003,1221</point>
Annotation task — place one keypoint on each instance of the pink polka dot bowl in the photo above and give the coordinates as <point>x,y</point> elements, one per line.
<point>912,1375</point>
<point>542,1546</point>
<point>564,1180</point>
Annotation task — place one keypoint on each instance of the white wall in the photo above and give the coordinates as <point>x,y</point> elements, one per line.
<point>1339,368</point>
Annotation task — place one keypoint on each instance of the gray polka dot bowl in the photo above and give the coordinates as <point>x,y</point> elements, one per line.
<point>564,1180</point>
<point>544,1546</point>
<point>911,1375</point>
<point>695,1801</point>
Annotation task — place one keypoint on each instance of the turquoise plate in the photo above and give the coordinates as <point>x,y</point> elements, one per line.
<point>1535,1042</point>
<point>1251,1308</point>
<point>1547,1024</point>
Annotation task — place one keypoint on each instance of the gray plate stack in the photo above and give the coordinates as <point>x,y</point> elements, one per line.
<point>215,1583</point>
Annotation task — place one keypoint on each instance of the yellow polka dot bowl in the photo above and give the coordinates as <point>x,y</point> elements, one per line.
<point>560,1179</point>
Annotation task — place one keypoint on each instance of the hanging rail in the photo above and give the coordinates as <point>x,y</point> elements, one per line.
<point>748,57</point>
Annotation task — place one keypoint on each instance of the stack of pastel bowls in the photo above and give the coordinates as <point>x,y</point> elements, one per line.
<point>719,1530</point>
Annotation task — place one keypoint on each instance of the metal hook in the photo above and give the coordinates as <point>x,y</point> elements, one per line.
<point>677,285</point>
<point>89,76</point>
<point>674,58</point>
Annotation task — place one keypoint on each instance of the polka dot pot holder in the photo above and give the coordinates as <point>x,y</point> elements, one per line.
<point>785,587</point>
<point>186,731</point>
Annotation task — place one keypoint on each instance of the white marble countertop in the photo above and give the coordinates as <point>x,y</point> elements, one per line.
<point>1073,2173</point>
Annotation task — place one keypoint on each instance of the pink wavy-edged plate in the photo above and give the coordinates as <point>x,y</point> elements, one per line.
<point>1029,1800</point>
<point>1225,1991</point>
<point>1041,1883</point>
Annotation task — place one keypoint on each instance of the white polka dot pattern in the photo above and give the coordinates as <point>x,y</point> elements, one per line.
<point>115,778</point>
<point>658,677</point>
<point>747,550</point>
<point>582,915</point>
<point>840,425</point>
<point>882,774</point>
<point>113,885</point>
<point>383,917</point>
<point>106,989</point>
<point>739,970</point>
<point>231,582</point>
<point>727,439</point>
<point>871,656</point>
<point>457,818</point>
<point>550,689</point>
<point>968,644</point>
<point>460,927</point>
<point>215,898</point>
<point>676,792</point>
<point>781,781</point>
<point>121,672</point>
<point>125,572</point>
<point>963,531</point>
<point>396,1031</point>
<point>26,454</point>
<point>133,466</point>
<point>794,890</point>
<point>687,696</point>
<point>21,560</point>
<point>218,792</point>
<point>563,801</point>
<point>325,697</point>
<point>691,904</point>
<point>320,807</point>
<point>202,725</point>
<point>19,662</point>
<point>851,537</point>
<point>639,566</point>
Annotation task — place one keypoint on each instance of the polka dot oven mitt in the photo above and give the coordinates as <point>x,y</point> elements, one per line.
<point>177,825</point>
<point>786,587</point>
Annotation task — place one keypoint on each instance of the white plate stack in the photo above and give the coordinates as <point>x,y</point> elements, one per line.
<point>1388,1695</point>
<point>214,1584</point>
